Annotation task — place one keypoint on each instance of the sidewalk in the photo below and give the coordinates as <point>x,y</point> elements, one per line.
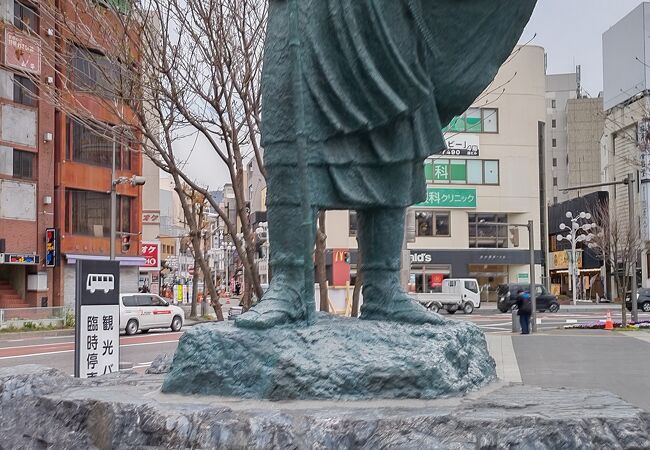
<point>586,359</point>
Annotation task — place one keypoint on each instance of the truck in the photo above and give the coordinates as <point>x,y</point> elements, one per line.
<point>458,294</point>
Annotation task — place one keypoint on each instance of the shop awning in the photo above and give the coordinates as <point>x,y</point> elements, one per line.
<point>124,260</point>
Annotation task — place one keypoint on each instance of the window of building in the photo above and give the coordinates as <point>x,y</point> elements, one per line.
<point>93,72</point>
<point>23,164</point>
<point>92,146</point>
<point>487,230</point>
<point>353,223</point>
<point>554,162</point>
<point>475,120</point>
<point>554,142</point>
<point>432,223</point>
<point>553,104</point>
<point>462,171</point>
<point>24,91</point>
<point>553,123</point>
<point>88,213</point>
<point>554,181</point>
<point>25,16</point>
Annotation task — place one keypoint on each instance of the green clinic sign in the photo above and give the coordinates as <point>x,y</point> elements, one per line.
<point>450,198</point>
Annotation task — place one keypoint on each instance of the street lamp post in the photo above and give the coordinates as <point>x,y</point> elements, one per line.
<point>574,237</point>
<point>227,251</point>
<point>135,180</point>
<point>263,236</point>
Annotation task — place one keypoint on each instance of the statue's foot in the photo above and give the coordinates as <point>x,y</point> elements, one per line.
<point>280,305</point>
<point>393,304</point>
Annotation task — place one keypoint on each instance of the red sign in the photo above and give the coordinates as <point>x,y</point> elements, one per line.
<point>436,279</point>
<point>22,52</point>
<point>151,252</point>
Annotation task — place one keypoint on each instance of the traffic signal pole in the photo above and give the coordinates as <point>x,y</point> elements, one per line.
<point>533,296</point>
<point>113,202</point>
<point>531,246</point>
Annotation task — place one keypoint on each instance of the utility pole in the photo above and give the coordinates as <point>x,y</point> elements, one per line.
<point>533,296</point>
<point>630,226</point>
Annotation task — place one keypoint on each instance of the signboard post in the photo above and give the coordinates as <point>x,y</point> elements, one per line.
<point>97,325</point>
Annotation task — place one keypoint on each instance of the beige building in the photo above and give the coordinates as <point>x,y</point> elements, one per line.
<point>490,174</point>
<point>585,127</point>
<point>560,90</point>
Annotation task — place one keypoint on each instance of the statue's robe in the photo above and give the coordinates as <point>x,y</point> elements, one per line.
<point>370,84</point>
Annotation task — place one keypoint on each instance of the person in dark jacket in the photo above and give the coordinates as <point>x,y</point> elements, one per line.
<point>524,310</point>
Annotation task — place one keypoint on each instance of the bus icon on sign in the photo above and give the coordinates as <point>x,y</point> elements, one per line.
<point>100,282</point>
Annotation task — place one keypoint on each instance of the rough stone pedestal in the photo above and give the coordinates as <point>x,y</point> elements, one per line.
<point>335,358</point>
<point>44,408</point>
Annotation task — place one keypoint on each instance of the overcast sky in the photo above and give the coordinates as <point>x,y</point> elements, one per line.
<point>570,31</point>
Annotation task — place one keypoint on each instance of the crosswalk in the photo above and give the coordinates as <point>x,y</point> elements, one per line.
<point>500,323</point>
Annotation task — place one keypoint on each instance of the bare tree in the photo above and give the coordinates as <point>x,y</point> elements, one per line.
<point>166,70</point>
<point>617,243</point>
<point>319,257</point>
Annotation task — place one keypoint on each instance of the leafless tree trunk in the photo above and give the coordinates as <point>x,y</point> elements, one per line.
<point>617,243</point>
<point>319,256</point>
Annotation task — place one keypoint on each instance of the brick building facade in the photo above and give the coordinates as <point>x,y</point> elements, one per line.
<point>55,172</point>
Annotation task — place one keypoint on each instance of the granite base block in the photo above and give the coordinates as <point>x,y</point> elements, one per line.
<point>44,408</point>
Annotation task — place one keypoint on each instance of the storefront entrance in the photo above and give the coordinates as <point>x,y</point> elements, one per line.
<point>427,278</point>
<point>489,277</point>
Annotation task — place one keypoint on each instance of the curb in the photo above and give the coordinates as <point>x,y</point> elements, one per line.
<point>10,335</point>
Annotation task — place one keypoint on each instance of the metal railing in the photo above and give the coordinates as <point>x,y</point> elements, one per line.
<point>35,317</point>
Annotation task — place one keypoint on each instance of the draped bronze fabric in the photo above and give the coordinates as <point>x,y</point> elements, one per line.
<point>375,81</point>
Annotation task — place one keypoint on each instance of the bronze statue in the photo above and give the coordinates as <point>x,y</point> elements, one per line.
<point>355,95</point>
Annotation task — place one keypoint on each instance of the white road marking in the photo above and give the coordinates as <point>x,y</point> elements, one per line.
<point>70,351</point>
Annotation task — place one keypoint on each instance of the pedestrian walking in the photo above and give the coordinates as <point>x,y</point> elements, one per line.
<point>524,310</point>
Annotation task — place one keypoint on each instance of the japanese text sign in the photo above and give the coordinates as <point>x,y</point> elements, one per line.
<point>450,198</point>
<point>150,250</point>
<point>22,51</point>
<point>97,324</point>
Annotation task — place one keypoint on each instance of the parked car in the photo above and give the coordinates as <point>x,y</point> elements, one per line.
<point>507,294</point>
<point>642,300</point>
<point>147,311</point>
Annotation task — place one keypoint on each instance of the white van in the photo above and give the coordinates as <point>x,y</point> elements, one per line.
<point>147,311</point>
<point>457,294</point>
<point>100,282</point>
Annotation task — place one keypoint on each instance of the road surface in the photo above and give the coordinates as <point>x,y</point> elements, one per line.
<point>58,351</point>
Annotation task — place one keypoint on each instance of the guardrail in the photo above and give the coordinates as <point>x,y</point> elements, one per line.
<point>35,317</point>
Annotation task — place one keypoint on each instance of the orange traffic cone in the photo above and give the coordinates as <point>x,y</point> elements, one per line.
<point>609,325</point>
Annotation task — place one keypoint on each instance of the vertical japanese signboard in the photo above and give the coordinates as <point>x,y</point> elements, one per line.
<point>50,247</point>
<point>97,325</point>
<point>151,252</point>
<point>643,139</point>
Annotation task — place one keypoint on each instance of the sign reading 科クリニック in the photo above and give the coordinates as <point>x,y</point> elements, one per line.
<point>461,144</point>
<point>450,198</point>
<point>97,320</point>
